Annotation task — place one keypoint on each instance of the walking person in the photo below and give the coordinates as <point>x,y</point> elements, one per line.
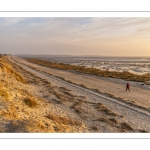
<point>128,87</point>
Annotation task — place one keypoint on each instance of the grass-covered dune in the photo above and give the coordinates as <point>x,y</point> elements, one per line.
<point>6,67</point>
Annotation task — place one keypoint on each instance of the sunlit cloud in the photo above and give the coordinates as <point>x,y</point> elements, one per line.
<point>75,36</point>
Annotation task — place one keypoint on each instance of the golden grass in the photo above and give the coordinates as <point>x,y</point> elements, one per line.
<point>93,71</point>
<point>30,101</point>
<point>4,93</point>
<point>6,67</point>
<point>30,77</point>
<point>11,112</point>
<point>63,120</point>
<point>40,125</point>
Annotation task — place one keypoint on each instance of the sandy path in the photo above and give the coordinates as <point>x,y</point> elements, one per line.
<point>137,95</point>
<point>141,121</point>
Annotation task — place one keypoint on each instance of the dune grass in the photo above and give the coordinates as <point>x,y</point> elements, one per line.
<point>63,120</point>
<point>11,112</point>
<point>93,71</point>
<point>100,107</point>
<point>6,67</point>
<point>4,93</point>
<point>94,128</point>
<point>126,127</point>
<point>30,101</point>
<point>110,121</point>
<point>76,107</point>
<point>65,89</point>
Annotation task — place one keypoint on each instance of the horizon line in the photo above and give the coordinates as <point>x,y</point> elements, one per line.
<point>79,55</point>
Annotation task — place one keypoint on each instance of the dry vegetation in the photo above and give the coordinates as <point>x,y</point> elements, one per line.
<point>104,109</point>
<point>3,92</point>
<point>126,127</point>
<point>76,107</point>
<point>18,103</point>
<point>103,73</point>
<point>5,66</point>
<point>63,120</point>
<point>30,101</point>
<point>24,111</point>
<point>11,112</point>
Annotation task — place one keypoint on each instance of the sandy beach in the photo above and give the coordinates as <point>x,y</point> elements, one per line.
<point>115,87</point>
<point>53,100</point>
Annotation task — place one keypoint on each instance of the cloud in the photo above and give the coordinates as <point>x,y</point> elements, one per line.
<point>75,35</point>
<point>11,21</point>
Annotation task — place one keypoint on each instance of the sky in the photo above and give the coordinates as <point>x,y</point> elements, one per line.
<point>75,36</point>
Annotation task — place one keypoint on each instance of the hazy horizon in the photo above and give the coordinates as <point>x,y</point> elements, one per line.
<point>102,37</point>
<point>78,55</point>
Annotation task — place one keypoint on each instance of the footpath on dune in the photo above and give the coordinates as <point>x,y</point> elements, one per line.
<point>136,96</point>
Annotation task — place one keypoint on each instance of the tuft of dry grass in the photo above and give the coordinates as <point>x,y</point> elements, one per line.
<point>104,109</point>
<point>78,111</point>
<point>126,127</point>
<point>30,101</point>
<point>63,120</point>
<point>56,101</point>
<point>40,125</point>
<point>63,88</point>
<point>11,112</point>
<point>68,94</point>
<point>110,121</point>
<point>143,131</point>
<point>76,108</point>
<point>58,95</point>
<point>113,120</point>
<point>76,104</point>
<point>4,93</point>
<point>102,119</point>
<point>94,128</point>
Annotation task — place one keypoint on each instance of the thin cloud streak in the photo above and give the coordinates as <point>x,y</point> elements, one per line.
<point>11,21</point>
<point>75,36</point>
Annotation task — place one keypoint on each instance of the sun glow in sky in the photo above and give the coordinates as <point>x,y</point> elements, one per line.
<point>76,36</point>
